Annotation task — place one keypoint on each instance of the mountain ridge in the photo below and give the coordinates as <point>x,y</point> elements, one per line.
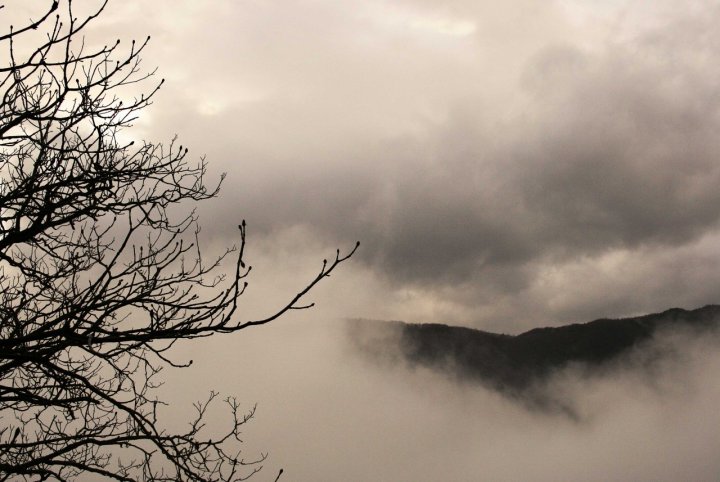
<point>519,365</point>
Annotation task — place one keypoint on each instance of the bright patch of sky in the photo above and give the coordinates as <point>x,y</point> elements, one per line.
<point>408,20</point>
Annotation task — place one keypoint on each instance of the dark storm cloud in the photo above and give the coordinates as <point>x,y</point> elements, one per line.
<point>618,154</point>
<point>612,149</point>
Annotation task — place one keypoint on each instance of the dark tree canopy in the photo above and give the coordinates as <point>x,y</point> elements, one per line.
<point>100,269</point>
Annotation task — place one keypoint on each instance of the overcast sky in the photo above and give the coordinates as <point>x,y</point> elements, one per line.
<point>504,164</point>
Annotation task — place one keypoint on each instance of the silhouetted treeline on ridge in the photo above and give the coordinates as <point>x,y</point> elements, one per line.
<point>517,365</point>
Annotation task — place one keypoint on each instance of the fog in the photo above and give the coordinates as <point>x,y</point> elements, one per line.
<point>505,165</point>
<point>327,413</point>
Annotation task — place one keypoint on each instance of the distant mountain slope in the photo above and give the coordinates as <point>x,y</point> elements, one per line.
<point>518,364</point>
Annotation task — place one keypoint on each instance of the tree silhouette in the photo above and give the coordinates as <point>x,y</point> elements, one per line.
<point>100,274</point>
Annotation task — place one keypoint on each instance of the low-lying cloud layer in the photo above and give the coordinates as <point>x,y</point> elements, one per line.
<point>326,413</point>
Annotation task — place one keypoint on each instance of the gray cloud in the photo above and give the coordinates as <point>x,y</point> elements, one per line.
<point>480,154</point>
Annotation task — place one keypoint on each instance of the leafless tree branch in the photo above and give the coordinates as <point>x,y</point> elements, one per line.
<point>99,276</point>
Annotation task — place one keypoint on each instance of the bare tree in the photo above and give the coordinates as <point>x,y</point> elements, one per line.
<point>99,273</point>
